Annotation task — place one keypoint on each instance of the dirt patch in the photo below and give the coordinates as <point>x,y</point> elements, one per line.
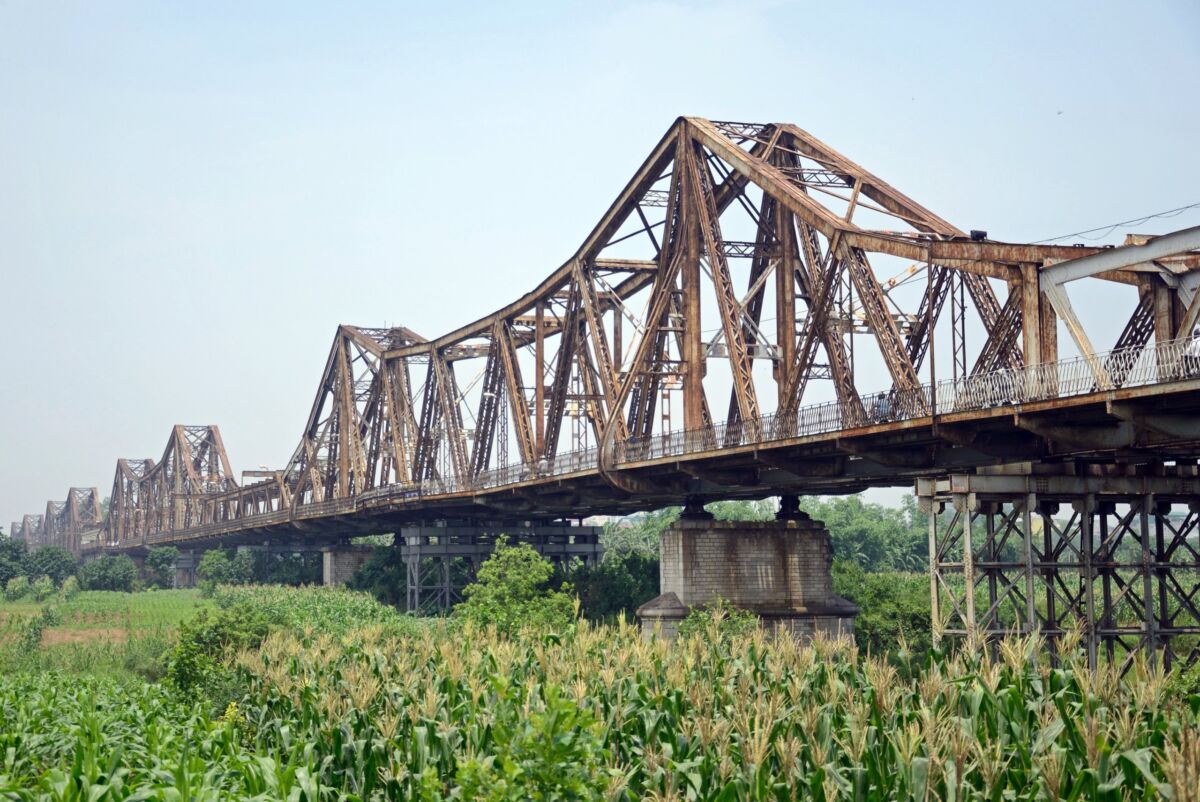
<point>53,637</point>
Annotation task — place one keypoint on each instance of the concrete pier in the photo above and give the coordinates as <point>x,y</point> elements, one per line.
<point>338,563</point>
<point>779,570</point>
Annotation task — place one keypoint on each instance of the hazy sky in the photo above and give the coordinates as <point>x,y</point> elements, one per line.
<point>193,195</point>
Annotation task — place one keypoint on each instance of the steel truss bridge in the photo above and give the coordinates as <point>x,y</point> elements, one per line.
<point>705,342</point>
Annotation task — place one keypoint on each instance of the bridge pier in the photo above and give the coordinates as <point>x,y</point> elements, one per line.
<point>1051,550</point>
<point>339,563</point>
<point>185,568</point>
<point>779,570</point>
<point>442,560</point>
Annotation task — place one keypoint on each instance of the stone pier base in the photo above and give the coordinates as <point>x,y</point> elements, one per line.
<point>780,570</point>
<point>339,563</point>
<point>185,568</point>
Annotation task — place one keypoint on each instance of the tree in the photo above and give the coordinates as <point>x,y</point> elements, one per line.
<point>110,572</point>
<point>160,566</point>
<point>283,568</point>
<point>512,591</point>
<point>893,608</point>
<point>383,575</point>
<point>620,584</point>
<point>52,561</point>
<point>218,568</point>
<point>12,559</point>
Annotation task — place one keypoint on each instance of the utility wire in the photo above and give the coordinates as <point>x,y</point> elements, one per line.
<point>1109,229</point>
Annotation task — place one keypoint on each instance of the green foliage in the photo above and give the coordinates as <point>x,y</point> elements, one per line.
<point>763,510</point>
<point>620,584</point>
<point>876,537</point>
<point>12,559</point>
<point>511,591</point>
<point>106,633</point>
<point>1185,683</point>
<point>196,664</point>
<point>281,568</point>
<point>43,588</point>
<point>894,612</point>
<point>52,561</point>
<point>717,622</point>
<point>639,535</point>
<point>218,568</point>
<point>17,587</point>
<point>160,566</point>
<point>69,589</point>
<point>324,609</point>
<point>438,713</point>
<point>383,575</point>
<point>109,572</point>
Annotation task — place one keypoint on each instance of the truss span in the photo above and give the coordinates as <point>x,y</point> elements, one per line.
<point>731,297</point>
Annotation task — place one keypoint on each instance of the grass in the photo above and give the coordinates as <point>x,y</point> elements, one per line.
<point>104,633</point>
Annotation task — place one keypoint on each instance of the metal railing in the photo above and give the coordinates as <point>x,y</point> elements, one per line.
<point>1170,361</point>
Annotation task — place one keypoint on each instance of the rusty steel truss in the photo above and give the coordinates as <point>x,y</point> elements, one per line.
<point>709,337</point>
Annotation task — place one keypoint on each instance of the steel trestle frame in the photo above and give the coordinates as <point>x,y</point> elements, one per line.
<point>1113,558</point>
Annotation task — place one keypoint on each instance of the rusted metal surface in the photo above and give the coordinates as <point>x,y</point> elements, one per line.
<point>742,265</point>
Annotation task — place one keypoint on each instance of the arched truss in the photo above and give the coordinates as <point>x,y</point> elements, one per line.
<point>744,272</point>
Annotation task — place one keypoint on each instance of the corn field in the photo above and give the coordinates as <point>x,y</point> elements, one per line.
<point>449,712</point>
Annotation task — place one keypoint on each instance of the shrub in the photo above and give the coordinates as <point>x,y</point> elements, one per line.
<point>383,575</point>
<point>16,588</point>
<point>12,558</point>
<point>281,568</point>
<point>52,561</point>
<point>717,622</point>
<point>69,589</point>
<point>43,587</point>
<point>195,664</point>
<point>512,591</point>
<point>217,568</point>
<point>620,584</point>
<point>894,610</point>
<point>110,572</point>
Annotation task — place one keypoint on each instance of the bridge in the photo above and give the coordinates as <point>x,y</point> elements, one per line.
<point>707,341</point>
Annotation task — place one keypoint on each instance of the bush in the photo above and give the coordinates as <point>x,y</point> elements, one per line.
<point>160,566</point>
<point>383,575</point>
<point>217,568</point>
<point>16,588</point>
<point>43,588</point>
<point>512,591</point>
<point>195,665</point>
<point>110,572</point>
<point>717,622</point>
<point>617,586</point>
<point>69,589</point>
<point>52,561</point>
<point>281,568</point>
<point>894,610</point>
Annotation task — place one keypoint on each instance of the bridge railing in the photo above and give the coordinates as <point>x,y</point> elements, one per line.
<point>1174,360</point>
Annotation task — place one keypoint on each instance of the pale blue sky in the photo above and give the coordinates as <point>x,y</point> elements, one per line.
<point>193,195</point>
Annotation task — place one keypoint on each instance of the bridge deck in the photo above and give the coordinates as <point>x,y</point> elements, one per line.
<point>979,422</point>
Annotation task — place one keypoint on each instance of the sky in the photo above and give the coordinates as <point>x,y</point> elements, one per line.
<point>194,195</point>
